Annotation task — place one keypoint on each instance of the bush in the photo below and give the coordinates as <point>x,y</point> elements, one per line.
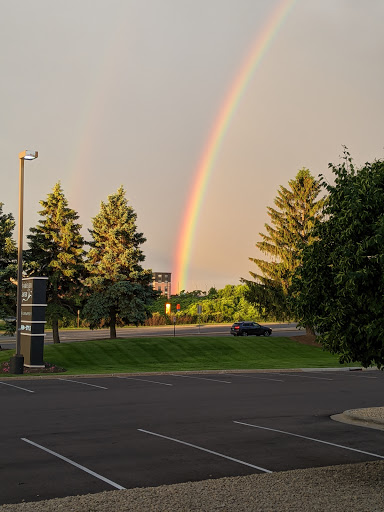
<point>218,306</point>
<point>156,319</point>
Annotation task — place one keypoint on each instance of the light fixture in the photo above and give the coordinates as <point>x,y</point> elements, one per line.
<point>28,155</point>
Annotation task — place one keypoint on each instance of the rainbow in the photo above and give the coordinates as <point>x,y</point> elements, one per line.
<point>215,140</point>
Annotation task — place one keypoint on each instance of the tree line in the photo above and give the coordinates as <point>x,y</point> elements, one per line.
<point>226,305</point>
<point>107,282</point>
<point>324,249</point>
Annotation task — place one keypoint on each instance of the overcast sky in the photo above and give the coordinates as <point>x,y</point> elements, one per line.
<point>127,92</point>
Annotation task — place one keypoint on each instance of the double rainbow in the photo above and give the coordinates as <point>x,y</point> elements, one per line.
<point>215,140</point>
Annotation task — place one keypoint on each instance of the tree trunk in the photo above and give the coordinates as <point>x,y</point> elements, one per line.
<point>112,326</point>
<point>55,330</point>
<point>310,330</point>
<point>55,318</point>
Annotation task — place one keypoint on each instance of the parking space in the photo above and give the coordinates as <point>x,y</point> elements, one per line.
<point>31,474</point>
<point>74,435</point>
<point>15,385</point>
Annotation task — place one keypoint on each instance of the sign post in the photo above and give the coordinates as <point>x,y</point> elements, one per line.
<point>33,306</point>
<point>174,319</point>
<point>199,311</point>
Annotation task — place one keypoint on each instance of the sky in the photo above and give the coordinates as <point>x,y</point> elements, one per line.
<point>128,92</point>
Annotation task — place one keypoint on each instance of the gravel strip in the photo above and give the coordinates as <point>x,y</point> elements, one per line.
<point>357,487</point>
<point>375,414</point>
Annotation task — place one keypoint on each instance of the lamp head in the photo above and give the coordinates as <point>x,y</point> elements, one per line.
<point>28,155</point>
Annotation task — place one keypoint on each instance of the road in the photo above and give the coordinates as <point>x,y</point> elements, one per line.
<point>278,329</point>
<point>72,436</point>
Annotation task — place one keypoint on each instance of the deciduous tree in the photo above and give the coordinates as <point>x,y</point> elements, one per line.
<point>339,288</point>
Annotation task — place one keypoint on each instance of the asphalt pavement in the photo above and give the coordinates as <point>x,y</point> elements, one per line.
<point>82,435</point>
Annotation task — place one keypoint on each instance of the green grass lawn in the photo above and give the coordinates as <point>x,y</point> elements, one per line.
<point>183,353</point>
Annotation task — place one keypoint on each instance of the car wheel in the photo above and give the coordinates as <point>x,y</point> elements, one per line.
<point>267,333</point>
<point>244,333</point>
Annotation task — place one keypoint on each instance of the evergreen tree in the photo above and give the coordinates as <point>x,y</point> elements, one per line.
<point>121,290</point>
<point>291,228</point>
<point>56,251</point>
<point>8,269</point>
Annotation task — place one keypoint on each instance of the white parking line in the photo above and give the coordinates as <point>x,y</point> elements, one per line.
<point>205,450</point>
<point>200,378</point>
<point>251,377</point>
<point>145,380</point>
<point>83,468</point>
<point>18,387</point>
<point>84,383</point>
<point>302,376</point>
<point>311,439</point>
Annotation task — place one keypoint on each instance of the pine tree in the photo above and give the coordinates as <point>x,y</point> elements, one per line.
<point>121,290</point>
<point>290,230</point>
<point>8,269</point>
<point>56,251</point>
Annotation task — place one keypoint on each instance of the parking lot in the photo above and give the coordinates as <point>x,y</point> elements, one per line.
<point>69,435</point>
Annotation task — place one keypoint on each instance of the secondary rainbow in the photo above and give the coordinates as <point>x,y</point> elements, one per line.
<point>213,145</point>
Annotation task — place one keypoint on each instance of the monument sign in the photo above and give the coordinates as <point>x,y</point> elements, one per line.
<point>33,297</point>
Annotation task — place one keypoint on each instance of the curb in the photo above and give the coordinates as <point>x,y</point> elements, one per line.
<point>343,369</point>
<point>30,376</point>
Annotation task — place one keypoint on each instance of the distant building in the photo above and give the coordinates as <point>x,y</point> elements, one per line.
<point>162,283</point>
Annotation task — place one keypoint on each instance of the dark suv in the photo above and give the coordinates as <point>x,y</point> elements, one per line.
<point>250,329</point>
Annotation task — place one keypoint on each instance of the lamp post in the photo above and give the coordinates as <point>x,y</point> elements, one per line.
<point>17,361</point>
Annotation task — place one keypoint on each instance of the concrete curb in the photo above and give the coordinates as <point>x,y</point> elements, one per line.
<point>28,376</point>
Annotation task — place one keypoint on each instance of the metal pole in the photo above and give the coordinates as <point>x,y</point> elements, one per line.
<point>20,257</point>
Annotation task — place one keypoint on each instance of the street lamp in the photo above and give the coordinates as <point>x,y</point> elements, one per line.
<point>17,362</point>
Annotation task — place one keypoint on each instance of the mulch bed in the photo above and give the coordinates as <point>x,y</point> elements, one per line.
<point>307,339</point>
<point>49,368</point>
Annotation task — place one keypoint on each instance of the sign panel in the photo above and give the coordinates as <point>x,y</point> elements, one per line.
<point>34,290</point>
<point>33,304</point>
<point>32,328</point>
<point>35,313</point>
<point>32,348</point>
